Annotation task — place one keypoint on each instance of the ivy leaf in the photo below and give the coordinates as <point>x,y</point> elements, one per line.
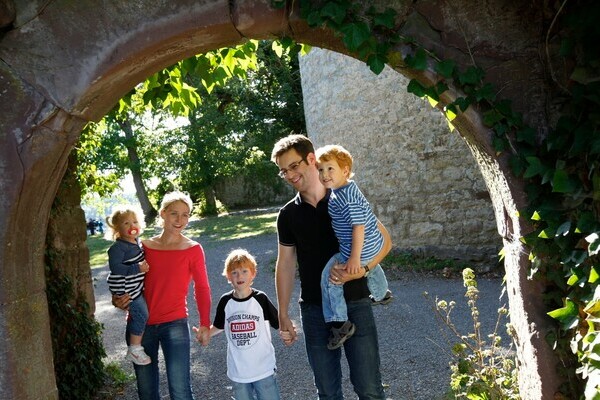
<point>574,278</point>
<point>471,76</point>
<point>376,63</point>
<point>567,315</point>
<point>535,167</point>
<point>594,275</point>
<point>563,229</point>
<point>486,92</point>
<point>445,68</point>
<point>594,243</point>
<point>586,222</point>
<point>314,19</point>
<point>335,11</point>
<point>462,103</point>
<point>355,34</point>
<point>492,117</point>
<point>526,134</point>
<point>418,61</point>
<point>416,88</point>
<point>385,19</point>
<point>562,183</point>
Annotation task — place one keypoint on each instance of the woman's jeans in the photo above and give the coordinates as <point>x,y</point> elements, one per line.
<point>265,389</point>
<point>174,339</point>
<point>362,352</point>
<point>138,315</point>
<point>334,304</point>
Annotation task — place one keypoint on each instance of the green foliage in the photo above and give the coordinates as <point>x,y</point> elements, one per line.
<point>76,339</point>
<point>482,369</point>
<point>114,383</point>
<point>362,27</point>
<point>561,169</point>
<point>232,103</point>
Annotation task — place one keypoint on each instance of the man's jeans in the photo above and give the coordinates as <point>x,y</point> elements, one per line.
<point>334,304</point>
<point>174,339</point>
<point>362,352</point>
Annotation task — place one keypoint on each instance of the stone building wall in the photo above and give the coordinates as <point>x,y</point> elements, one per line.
<point>419,177</point>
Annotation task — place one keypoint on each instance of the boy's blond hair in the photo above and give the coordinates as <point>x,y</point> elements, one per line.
<point>239,258</point>
<point>337,153</point>
<point>118,215</point>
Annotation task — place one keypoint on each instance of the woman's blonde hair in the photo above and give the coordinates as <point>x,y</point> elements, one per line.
<point>174,197</point>
<point>239,258</point>
<point>118,216</point>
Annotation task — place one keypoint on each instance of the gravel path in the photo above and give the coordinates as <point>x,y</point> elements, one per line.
<point>414,346</point>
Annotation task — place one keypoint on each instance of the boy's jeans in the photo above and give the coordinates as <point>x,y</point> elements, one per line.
<point>334,304</point>
<point>265,389</point>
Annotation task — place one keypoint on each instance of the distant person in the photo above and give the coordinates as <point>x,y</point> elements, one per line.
<point>360,240</point>
<point>175,261</point>
<point>127,269</point>
<point>100,226</point>
<point>91,225</point>
<point>246,315</point>
<point>307,242</point>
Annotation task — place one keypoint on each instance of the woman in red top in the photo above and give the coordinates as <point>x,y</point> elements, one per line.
<point>175,261</point>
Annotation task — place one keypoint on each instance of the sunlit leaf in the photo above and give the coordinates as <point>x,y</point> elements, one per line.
<point>594,243</point>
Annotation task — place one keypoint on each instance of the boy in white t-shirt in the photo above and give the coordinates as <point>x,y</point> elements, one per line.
<point>246,315</point>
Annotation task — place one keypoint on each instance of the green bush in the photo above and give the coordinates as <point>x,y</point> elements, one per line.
<point>481,368</point>
<point>76,339</point>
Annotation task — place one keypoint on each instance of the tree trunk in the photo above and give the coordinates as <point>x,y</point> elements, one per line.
<point>150,212</point>
<point>211,201</point>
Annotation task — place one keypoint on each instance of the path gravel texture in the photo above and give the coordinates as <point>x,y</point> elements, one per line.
<point>414,346</point>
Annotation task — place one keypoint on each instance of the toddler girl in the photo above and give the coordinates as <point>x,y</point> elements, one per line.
<point>127,268</point>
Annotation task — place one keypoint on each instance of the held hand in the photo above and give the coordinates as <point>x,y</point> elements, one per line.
<point>202,335</point>
<point>144,266</point>
<point>287,331</point>
<point>353,267</point>
<point>121,301</point>
<point>339,274</point>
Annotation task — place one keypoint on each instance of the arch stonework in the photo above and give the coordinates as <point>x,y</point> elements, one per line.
<point>63,64</point>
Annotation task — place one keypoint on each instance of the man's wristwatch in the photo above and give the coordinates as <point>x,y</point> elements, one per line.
<point>366,268</point>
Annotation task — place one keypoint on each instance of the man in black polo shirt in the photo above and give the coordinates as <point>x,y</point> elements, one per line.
<point>306,239</point>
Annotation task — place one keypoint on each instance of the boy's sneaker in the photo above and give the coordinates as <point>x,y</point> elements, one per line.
<point>340,335</point>
<point>386,299</point>
<point>138,356</point>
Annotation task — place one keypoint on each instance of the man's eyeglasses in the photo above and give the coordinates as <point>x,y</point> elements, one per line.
<point>292,167</point>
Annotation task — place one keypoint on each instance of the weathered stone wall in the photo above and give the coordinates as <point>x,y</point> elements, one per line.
<point>240,191</point>
<point>420,178</point>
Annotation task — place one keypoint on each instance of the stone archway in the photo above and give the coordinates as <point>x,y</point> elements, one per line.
<point>66,63</point>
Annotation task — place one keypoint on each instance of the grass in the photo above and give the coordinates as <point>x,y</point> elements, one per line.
<point>397,263</point>
<point>224,227</point>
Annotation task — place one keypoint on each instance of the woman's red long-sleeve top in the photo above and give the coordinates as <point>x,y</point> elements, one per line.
<point>168,280</point>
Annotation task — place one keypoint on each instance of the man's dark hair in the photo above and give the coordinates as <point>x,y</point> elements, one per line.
<point>300,143</point>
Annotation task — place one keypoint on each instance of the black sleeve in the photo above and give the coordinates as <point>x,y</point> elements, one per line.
<point>284,234</point>
<point>219,321</point>
<point>269,310</point>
